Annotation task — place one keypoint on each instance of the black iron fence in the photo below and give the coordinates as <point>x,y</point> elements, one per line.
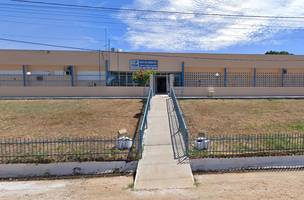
<point>247,145</point>
<point>243,79</point>
<point>50,80</point>
<point>190,79</point>
<point>46,150</point>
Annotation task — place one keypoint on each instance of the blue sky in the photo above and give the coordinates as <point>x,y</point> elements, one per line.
<point>131,31</point>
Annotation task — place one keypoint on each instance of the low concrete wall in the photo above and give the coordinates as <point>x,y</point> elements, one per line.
<point>138,92</point>
<point>239,91</point>
<point>227,164</point>
<point>73,91</point>
<point>66,169</point>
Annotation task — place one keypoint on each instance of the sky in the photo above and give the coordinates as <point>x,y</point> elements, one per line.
<point>156,32</point>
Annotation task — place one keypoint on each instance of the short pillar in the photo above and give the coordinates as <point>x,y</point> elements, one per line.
<point>254,76</point>
<point>171,82</point>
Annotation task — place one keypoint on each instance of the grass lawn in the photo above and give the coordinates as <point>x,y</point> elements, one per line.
<point>236,117</point>
<point>67,118</point>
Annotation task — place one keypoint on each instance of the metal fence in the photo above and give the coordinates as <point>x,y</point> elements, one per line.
<point>191,79</point>
<point>243,79</point>
<point>51,80</point>
<point>46,150</point>
<point>247,145</point>
<point>182,127</point>
<point>11,80</point>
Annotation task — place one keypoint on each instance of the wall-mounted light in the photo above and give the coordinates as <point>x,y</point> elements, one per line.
<point>217,74</point>
<point>28,73</point>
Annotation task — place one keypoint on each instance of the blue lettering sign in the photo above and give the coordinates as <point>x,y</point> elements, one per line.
<point>144,64</point>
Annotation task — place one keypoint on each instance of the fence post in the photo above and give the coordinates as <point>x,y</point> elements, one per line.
<point>140,142</point>
<point>283,71</point>
<point>254,77</point>
<point>24,75</point>
<point>107,71</point>
<point>183,75</point>
<point>71,70</point>
<point>225,77</point>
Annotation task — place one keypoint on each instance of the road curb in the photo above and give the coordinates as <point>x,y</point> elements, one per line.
<point>228,164</point>
<point>66,169</point>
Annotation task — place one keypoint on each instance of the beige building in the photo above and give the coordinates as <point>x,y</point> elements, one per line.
<point>27,68</point>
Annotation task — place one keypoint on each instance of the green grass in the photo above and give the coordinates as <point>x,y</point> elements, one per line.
<point>297,126</point>
<point>130,186</point>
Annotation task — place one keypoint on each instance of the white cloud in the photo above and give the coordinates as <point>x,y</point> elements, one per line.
<point>175,32</point>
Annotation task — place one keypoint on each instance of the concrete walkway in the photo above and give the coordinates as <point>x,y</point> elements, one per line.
<point>158,168</point>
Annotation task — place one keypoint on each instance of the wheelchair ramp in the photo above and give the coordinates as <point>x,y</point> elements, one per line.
<point>158,168</point>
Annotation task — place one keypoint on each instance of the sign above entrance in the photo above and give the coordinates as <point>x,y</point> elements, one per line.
<point>143,64</point>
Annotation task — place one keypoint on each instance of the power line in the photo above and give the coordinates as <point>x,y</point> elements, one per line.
<point>61,25</point>
<point>36,9</point>
<point>46,44</point>
<point>81,38</point>
<point>41,9</point>
<point>238,27</point>
<point>275,27</point>
<point>158,11</point>
<point>147,54</point>
<point>46,24</point>
<point>56,19</point>
<point>47,11</point>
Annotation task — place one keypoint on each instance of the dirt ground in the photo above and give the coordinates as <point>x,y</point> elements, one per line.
<point>218,117</point>
<point>250,186</point>
<point>64,118</point>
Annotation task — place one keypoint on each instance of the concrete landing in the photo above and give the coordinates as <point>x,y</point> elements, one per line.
<point>158,169</point>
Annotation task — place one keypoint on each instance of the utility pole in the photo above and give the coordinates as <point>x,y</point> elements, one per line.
<point>106,39</point>
<point>109,45</point>
<point>117,53</point>
<point>99,65</point>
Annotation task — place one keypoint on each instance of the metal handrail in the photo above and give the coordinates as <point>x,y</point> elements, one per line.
<point>182,126</point>
<point>144,122</point>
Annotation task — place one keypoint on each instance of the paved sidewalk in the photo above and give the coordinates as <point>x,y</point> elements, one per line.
<point>158,169</point>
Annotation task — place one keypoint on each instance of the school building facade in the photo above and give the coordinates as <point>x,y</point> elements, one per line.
<point>48,71</point>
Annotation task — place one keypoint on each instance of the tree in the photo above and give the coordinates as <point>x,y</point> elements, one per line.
<point>278,53</point>
<point>142,77</point>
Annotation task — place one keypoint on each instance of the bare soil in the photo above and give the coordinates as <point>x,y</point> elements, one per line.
<point>67,118</point>
<point>250,186</point>
<point>235,117</point>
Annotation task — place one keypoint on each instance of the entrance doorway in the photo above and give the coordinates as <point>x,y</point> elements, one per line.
<point>161,85</point>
